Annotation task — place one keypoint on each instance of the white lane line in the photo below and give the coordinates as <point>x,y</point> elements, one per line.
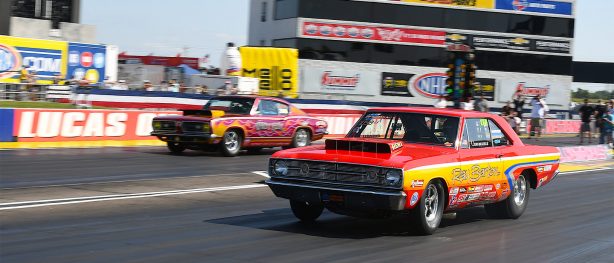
<point>122,181</point>
<point>100,198</point>
<point>262,173</point>
<point>586,171</point>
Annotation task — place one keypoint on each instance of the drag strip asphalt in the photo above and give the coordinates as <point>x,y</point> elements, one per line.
<point>114,197</point>
<point>203,208</point>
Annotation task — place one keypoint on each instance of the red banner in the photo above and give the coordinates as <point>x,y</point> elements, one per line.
<point>51,125</point>
<point>367,33</point>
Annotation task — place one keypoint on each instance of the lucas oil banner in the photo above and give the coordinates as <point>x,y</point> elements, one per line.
<point>86,61</point>
<point>45,58</point>
<point>277,69</point>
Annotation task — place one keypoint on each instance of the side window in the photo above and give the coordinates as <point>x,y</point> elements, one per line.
<point>465,139</point>
<point>498,138</point>
<point>478,133</point>
<point>271,108</point>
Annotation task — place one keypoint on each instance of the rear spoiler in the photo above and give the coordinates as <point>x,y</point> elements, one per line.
<point>362,146</point>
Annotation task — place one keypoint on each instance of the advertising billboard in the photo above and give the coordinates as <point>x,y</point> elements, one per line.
<point>537,6</point>
<point>339,81</point>
<point>277,69</point>
<point>555,93</point>
<point>362,32</point>
<point>86,61</point>
<point>510,43</point>
<point>44,58</point>
<point>465,3</point>
<point>396,84</point>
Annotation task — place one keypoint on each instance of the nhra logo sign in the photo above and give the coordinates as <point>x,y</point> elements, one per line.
<point>339,82</point>
<point>431,85</point>
<point>10,61</point>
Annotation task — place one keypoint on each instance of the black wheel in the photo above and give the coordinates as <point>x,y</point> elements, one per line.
<point>515,204</point>
<point>302,137</point>
<point>427,215</point>
<point>306,212</point>
<point>175,147</point>
<point>231,144</point>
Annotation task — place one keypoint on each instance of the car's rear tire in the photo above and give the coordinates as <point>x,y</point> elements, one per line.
<point>426,216</point>
<point>301,138</point>
<point>231,143</point>
<point>175,147</point>
<point>515,204</point>
<point>306,212</point>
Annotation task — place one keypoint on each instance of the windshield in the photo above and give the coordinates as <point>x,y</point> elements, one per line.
<point>409,127</point>
<point>230,105</point>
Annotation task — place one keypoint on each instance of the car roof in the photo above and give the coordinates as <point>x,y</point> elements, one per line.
<point>436,111</point>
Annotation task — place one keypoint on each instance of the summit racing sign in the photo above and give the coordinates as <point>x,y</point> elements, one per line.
<point>339,80</point>
<point>45,125</point>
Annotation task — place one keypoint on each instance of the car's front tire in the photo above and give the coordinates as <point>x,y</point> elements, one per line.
<point>231,143</point>
<point>175,147</point>
<point>515,204</point>
<point>429,211</point>
<point>306,212</point>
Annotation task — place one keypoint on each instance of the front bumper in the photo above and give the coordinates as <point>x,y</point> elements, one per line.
<point>187,138</point>
<point>353,199</point>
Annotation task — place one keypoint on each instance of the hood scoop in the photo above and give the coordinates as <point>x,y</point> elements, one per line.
<point>204,113</point>
<point>364,145</point>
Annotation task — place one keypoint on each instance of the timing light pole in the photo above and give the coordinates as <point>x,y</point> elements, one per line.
<point>460,83</point>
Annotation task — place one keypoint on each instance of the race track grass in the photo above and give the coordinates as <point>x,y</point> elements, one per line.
<point>40,104</point>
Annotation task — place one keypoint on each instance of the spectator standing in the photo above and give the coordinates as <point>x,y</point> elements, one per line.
<point>441,102</point>
<point>538,112</point>
<point>481,104</point>
<point>605,135</point>
<point>586,111</point>
<point>231,64</point>
<point>600,110</point>
<point>606,131</point>
<point>507,109</point>
<point>518,100</point>
<point>147,86</point>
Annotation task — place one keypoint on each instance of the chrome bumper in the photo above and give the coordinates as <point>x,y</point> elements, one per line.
<point>352,198</point>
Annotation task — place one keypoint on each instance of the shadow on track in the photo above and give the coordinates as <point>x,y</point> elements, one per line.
<point>195,153</point>
<point>330,225</point>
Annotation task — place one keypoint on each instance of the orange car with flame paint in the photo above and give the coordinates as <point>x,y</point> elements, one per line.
<point>418,161</point>
<point>232,123</point>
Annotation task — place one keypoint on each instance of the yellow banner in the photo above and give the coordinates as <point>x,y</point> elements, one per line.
<point>40,60</point>
<point>277,69</point>
<point>472,3</point>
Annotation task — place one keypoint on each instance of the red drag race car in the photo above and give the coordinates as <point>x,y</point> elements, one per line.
<point>419,161</point>
<point>232,123</point>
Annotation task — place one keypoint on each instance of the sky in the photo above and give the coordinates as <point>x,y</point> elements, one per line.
<point>199,27</point>
<point>193,28</point>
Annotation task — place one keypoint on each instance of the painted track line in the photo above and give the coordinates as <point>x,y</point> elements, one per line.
<point>586,171</point>
<point>89,199</point>
<point>262,173</point>
<point>123,181</point>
